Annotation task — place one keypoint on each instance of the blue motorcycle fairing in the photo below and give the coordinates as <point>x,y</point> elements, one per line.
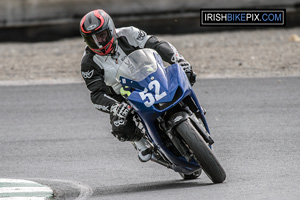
<point>177,78</point>
<point>169,79</point>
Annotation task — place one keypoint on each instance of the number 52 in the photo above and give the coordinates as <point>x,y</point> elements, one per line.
<point>151,100</point>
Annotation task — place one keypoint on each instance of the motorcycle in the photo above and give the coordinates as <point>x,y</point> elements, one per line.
<point>175,127</point>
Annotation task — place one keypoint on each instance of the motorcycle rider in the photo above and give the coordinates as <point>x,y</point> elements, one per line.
<point>106,48</point>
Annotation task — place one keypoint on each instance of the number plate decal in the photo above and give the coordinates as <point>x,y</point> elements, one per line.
<point>151,99</point>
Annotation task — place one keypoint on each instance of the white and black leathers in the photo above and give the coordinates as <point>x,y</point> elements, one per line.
<point>99,71</point>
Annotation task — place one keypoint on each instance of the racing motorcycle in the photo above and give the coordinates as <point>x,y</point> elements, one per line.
<point>176,131</point>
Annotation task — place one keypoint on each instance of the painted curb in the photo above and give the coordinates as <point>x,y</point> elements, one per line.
<point>18,189</point>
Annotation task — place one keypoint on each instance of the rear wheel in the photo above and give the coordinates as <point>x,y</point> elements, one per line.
<point>201,151</point>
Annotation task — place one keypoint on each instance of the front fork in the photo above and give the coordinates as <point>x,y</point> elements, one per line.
<point>175,140</point>
<point>178,118</point>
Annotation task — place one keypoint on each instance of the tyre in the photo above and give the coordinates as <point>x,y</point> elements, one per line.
<point>201,151</point>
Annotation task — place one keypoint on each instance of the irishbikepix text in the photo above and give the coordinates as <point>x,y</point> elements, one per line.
<point>217,17</point>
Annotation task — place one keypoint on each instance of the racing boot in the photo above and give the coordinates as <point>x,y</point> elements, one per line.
<point>145,152</point>
<point>142,145</point>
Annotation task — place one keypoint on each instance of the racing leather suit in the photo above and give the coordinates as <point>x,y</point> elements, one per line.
<point>99,72</point>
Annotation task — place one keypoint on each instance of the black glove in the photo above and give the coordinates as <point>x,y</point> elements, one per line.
<point>123,126</point>
<point>187,68</point>
<point>120,110</point>
<point>192,77</point>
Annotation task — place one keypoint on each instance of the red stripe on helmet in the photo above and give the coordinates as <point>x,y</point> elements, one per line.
<point>97,14</point>
<point>81,25</point>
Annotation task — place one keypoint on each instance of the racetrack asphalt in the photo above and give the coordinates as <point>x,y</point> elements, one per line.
<point>52,134</point>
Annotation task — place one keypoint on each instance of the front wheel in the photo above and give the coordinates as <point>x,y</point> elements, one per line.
<point>201,151</point>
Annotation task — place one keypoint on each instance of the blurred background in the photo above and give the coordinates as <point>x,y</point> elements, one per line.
<point>40,39</point>
<point>42,20</point>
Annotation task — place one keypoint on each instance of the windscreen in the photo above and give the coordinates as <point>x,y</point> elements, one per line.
<point>138,65</point>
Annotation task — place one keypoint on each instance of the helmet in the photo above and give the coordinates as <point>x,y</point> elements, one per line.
<point>99,32</point>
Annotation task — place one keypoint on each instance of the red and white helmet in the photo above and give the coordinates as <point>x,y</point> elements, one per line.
<point>99,32</point>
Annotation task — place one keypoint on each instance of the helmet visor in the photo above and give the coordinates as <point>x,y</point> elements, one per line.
<point>98,40</point>
<point>101,39</point>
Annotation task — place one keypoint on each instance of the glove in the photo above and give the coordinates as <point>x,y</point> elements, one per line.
<point>185,65</point>
<point>187,68</point>
<point>120,110</point>
<point>192,77</point>
<point>123,126</point>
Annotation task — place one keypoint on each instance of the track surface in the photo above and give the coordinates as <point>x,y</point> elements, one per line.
<point>52,134</point>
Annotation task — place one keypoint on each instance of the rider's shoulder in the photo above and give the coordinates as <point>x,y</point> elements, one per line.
<point>127,31</point>
<point>133,35</point>
<point>88,61</point>
<point>87,54</point>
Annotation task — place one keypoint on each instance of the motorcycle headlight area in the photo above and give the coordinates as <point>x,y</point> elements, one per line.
<point>162,106</point>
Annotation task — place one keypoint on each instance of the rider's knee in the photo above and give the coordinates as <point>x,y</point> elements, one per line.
<point>125,129</point>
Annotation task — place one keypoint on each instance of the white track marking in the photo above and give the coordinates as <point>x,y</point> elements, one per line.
<point>85,191</point>
<point>24,189</point>
<point>17,189</point>
<point>24,198</point>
